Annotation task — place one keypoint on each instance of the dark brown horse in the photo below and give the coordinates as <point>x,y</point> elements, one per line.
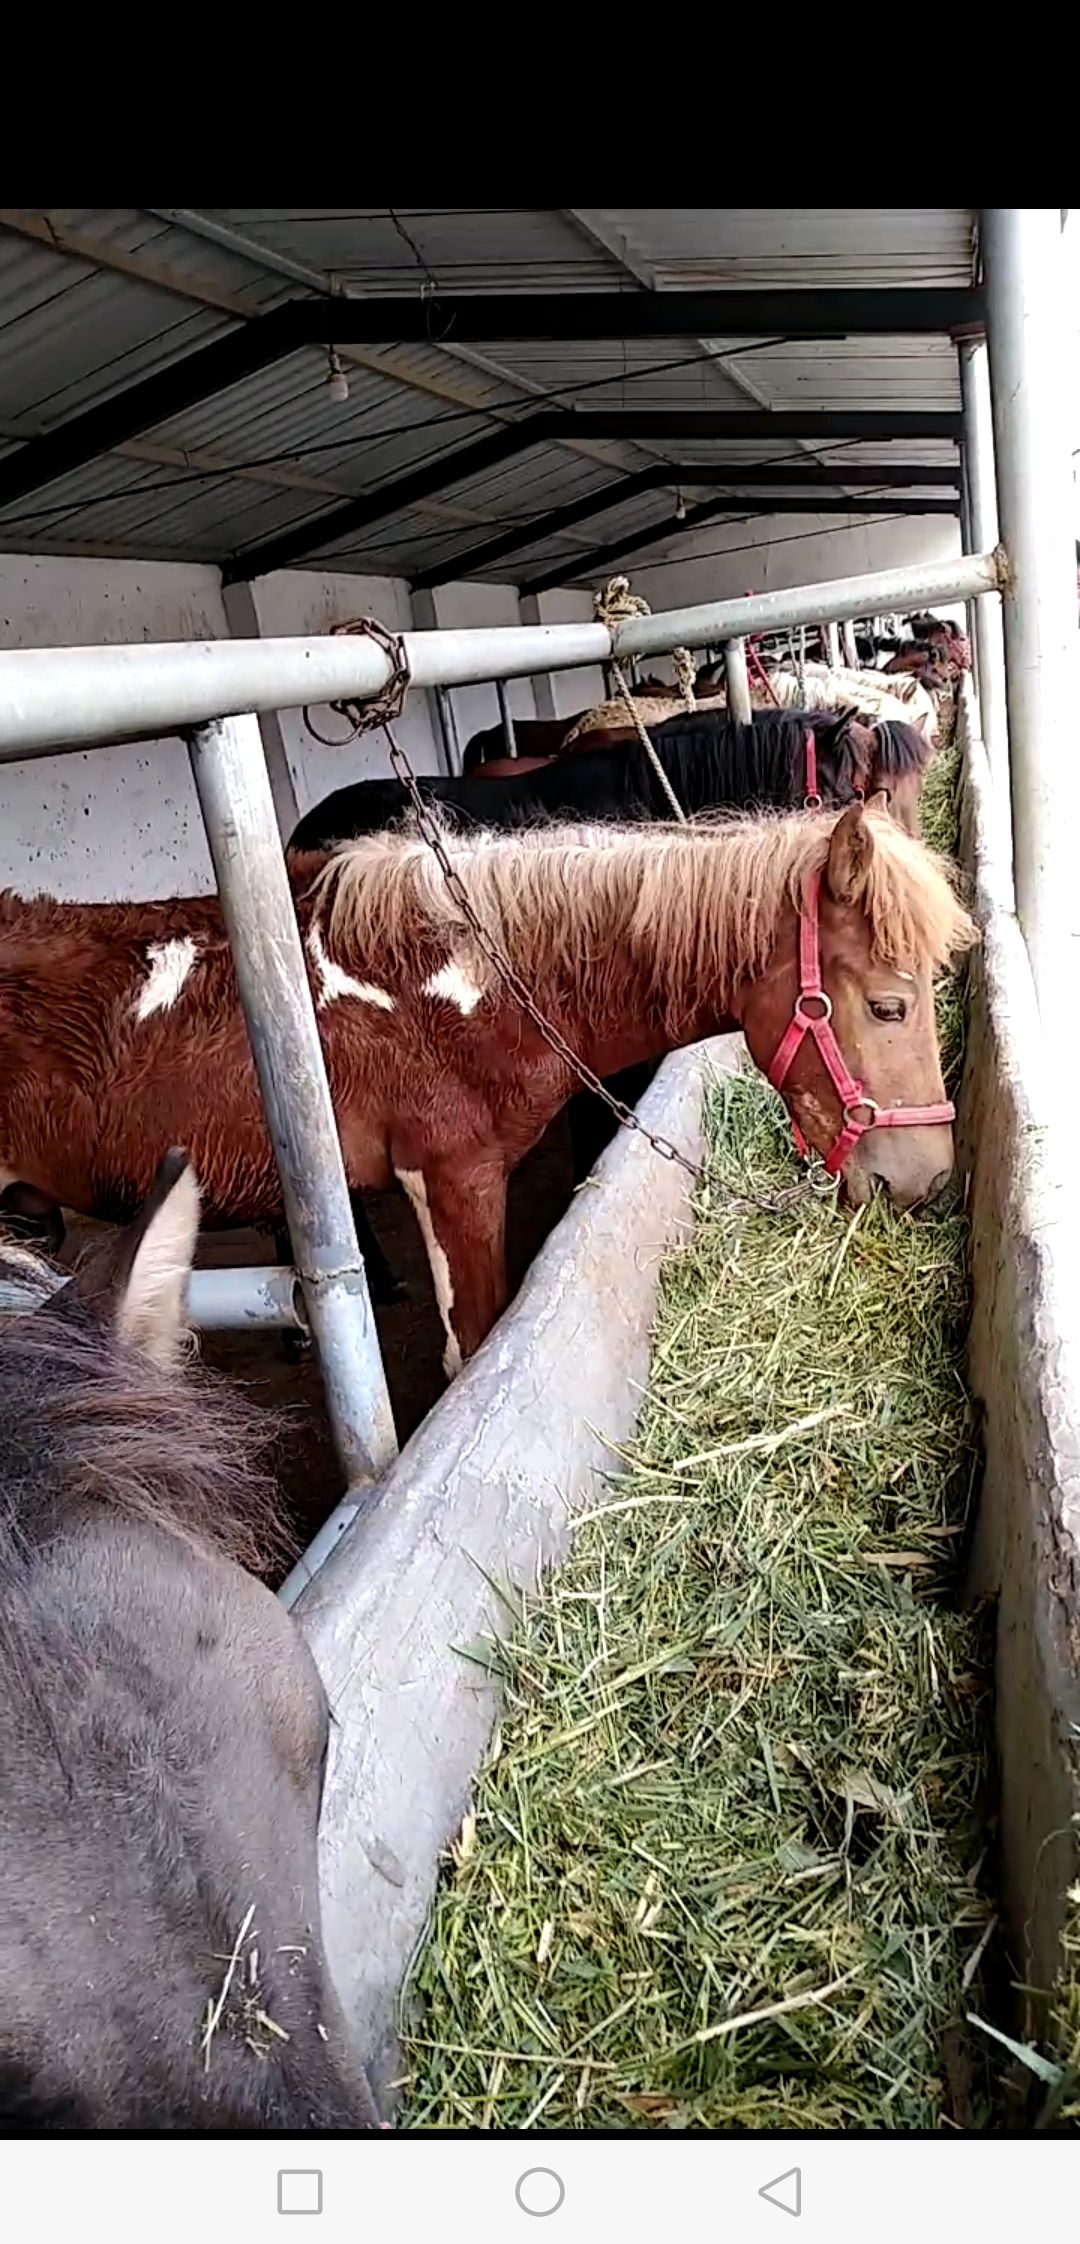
<point>163,1730</point>
<point>120,1026</point>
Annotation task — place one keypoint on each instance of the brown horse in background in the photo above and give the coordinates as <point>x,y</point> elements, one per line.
<point>120,1027</point>
<point>163,1729</point>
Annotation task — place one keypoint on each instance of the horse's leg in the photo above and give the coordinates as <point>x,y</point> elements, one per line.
<point>460,1207</point>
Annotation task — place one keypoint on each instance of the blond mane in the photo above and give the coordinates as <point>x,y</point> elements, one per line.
<point>704,901</point>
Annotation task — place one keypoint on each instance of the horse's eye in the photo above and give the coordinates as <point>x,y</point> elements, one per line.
<point>888,1008</point>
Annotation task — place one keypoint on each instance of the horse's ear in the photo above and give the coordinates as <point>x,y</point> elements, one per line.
<point>137,1283</point>
<point>850,852</point>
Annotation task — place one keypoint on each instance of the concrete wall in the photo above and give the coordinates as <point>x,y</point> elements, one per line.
<point>726,560</point>
<point>464,607</point>
<point>116,822</point>
<point>1024,1201</point>
<point>566,692</point>
<point>124,822</point>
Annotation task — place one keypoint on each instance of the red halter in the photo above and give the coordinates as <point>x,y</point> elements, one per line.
<point>858,1113</point>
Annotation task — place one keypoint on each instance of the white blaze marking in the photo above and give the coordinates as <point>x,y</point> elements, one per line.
<point>412,1182</point>
<point>335,982</point>
<point>169,965</point>
<point>456,986</point>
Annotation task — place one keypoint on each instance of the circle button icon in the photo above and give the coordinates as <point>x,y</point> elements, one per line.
<point>540,2192</point>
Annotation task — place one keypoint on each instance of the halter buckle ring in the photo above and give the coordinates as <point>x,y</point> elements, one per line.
<point>813,997</point>
<point>861,1105</point>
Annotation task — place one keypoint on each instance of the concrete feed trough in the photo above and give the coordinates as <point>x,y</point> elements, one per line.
<point>480,1498</point>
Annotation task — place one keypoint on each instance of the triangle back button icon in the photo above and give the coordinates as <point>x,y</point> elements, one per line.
<point>785,2192</point>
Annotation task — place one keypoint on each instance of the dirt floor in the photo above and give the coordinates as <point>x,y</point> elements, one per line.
<point>410,1331</point>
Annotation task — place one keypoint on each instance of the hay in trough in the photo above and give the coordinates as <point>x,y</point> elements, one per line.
<point>724,1866</point>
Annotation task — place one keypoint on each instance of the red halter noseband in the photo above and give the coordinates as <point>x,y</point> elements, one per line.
<point>818,1024</point>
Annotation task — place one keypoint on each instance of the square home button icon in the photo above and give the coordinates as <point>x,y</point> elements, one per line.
<point>299,2189</point>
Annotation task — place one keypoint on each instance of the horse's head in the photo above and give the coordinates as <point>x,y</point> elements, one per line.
<point>856,1057</point>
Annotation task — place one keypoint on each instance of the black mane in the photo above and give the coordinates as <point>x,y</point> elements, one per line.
<point>712,763</point>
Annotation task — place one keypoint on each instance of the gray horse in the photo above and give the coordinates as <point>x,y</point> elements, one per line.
<point>163,1731</point>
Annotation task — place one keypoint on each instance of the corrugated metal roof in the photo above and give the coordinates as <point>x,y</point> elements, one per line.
<point>92,301</point>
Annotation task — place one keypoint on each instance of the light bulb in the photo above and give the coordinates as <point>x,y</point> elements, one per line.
<point>337,381</point>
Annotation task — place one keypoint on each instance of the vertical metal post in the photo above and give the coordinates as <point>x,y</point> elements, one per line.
<point>738,684</point>
<point>1030,360</point>
<point>849,646</point>
<point>982,537</point>
<point>507,715</point>
<point>444,710</point>
<point>230,775</point>
<point>832,645</point>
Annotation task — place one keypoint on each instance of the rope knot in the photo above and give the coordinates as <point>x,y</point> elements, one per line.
<point>616,604</point>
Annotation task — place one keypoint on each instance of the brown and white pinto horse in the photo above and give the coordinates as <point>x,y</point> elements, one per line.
<point>120,1029</point>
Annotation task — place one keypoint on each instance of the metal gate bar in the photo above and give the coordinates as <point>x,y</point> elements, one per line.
<point>233,786</point>
<point>54,698</point>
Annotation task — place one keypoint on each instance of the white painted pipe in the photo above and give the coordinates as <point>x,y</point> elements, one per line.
<point>262,1297</point>
<point>54,698</point>
<point>832,645</point>
<point>1029,361</point>
<point>738,683</point>
<point>982,534</point>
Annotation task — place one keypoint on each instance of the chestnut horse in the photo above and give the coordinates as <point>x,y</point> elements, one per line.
<point>712,763</point>
<point>163,1729</point>
<point>120,1027</point>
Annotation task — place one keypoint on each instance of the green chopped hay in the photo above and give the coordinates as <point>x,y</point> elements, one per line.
<point>724,1867</point>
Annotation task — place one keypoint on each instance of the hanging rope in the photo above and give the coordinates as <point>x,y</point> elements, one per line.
<point>615,605</point>
<point>761,675</point>
<point>685,676</point>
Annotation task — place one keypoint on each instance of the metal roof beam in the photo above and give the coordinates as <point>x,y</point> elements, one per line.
<point>771,476</point>
<point>601,557</point>
<point>431,476</point>
<point>633,314</point>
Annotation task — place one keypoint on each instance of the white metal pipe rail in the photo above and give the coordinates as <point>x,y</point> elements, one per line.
<point>250,1298</point>
<point>983,532</point>
<point>55,698</point>
<point>1025,281</point>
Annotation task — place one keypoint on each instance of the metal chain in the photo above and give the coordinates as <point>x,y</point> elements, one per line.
<point>383,708</point>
